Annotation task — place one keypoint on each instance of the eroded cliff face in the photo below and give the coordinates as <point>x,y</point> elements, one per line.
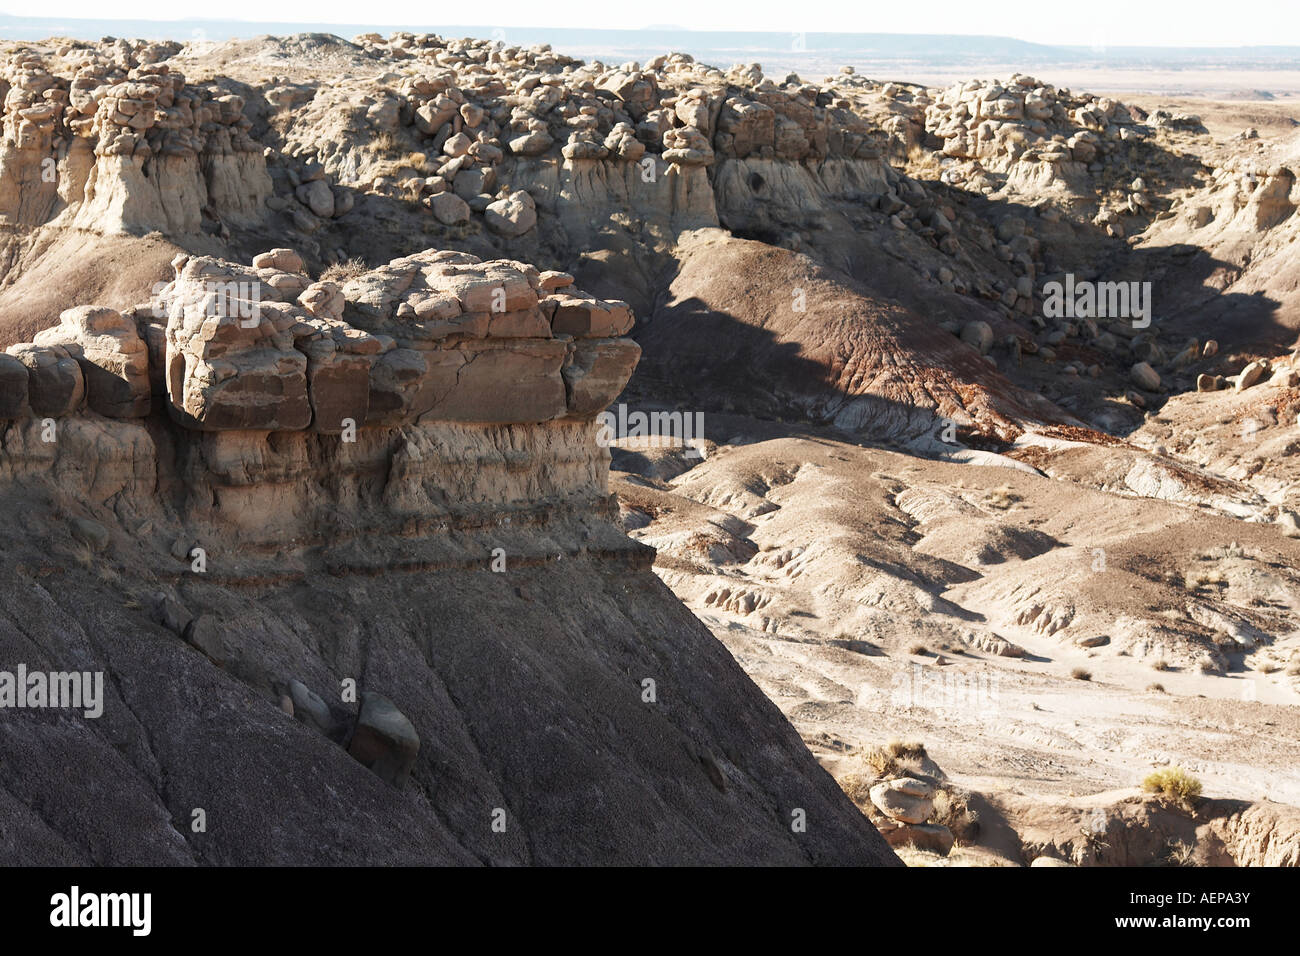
<point>955,205</point>
<point>348,564</point>
<point>109,138</point>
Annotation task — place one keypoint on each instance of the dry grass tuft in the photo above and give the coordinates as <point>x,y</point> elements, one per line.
<point>343,271</point>
<point>1174,784</point>
<point>894,758</point>
<point>952,809</point>
<point>1002,498</point>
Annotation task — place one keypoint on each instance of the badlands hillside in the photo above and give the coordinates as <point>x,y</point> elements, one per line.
<point>994,511</point>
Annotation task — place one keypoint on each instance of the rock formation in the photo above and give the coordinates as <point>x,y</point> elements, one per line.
<point>284,406</point>
<point>111,138</point>
<point>347,558</point>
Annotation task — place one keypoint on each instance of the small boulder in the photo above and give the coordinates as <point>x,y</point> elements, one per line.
<point>1145,377</point>
<point>90,533</point>
<point>978,335</point>
<point>1250,375</point>
<point>13,387</point>
<point>384,740</point>
<point>512,216</point>
<point>1285,377</point>
<point>900,805</point>
<point>310,708</point>
<point>931,837</point>
<point>449,209</point>
<point>285,260</point>
<point>206,634</point>
<point>55,383</point>
<point>317,196</point>
<point>171,614</point>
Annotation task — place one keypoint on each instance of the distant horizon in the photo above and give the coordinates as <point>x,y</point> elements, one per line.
<point>24,26</point>
<point>934,59</point>
<point>20,27</point>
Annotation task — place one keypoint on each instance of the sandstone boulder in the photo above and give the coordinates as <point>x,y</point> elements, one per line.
<point>285,260</point>
<point>1251,375</point>
<point>905,800</point>
<point>1145,377</point>
<point>56,386</point>
<point>114,359</point>
<point>588,317</point>
<point>931,837</point>
<point>978,335</point>
<point>512,216</point>
<point>384,740</point>
<point>449,209</point>
<point>14,388</point>
<point>597,372</point>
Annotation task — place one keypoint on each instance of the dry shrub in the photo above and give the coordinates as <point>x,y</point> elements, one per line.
<point>857,787</point>
<point>895,758</point>
<point>343,271</point>
<point>952,809</point>
<point>1175,784</point>
<point>1002,498</point>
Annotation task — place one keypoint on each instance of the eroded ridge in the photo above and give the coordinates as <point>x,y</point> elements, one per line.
<point>434,337</point>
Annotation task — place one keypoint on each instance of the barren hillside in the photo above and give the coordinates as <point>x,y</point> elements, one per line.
<point>997,385</point>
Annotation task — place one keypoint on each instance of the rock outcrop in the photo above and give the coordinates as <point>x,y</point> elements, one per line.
<point>110,138</point>
<point>346,559</point>
<point>440,336</point>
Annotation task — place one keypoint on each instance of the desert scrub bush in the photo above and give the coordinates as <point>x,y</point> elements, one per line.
<point>1002,498</point>
<point>1269,667</point>
<point>1155,688</point>
<point>1160,664</point>
<point>1081,673</point>
<point>1206,665</point>
<point>952,809</point>
<point>895,757</point>
<point>385,142</point>
<point>906,749</point>
<point>1179,853</point>
<point>1204,577</point>
<point>412,162</point>
<point>1175,784</point>
<point>918,650</point>
<point>343,271</point>
<point>857,787</point>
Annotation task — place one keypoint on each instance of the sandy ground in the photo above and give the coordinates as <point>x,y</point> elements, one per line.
<point>869,591</point>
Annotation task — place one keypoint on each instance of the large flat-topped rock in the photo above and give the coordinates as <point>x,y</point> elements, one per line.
<point>438,336</point>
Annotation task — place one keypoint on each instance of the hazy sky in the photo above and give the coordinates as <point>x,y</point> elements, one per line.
<point>1108,22</point>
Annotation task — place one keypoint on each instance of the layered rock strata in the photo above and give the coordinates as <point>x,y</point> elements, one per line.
<point>439,336</point>
<point>347,561</point>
